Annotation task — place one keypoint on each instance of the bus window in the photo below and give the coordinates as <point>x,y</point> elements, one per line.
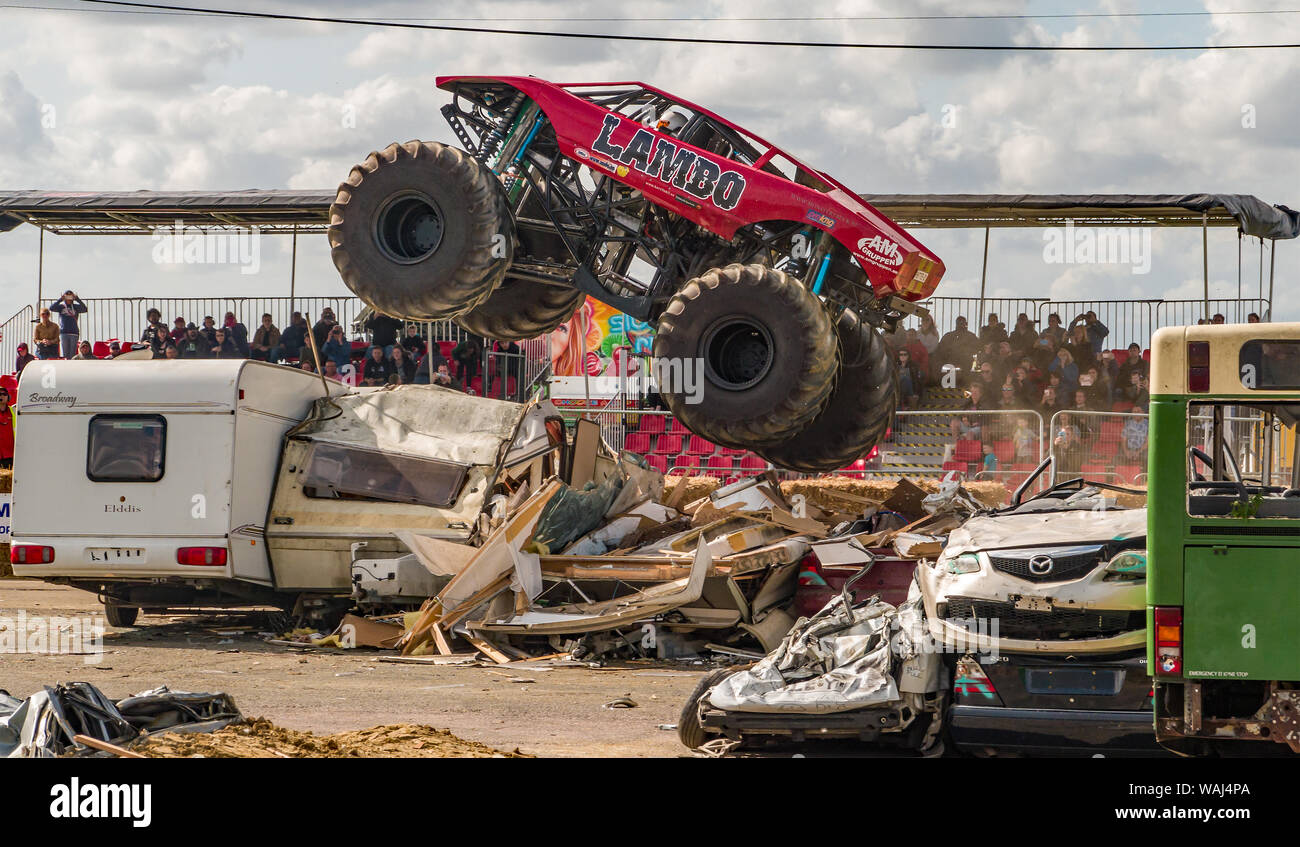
<point>1233,459</point>
<point>1270,365</point>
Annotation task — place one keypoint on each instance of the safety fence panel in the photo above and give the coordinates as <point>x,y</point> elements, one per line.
<point>1103,446</point>
<point>17,330</point>
<point>124,318</point>
<point>946,310</point>
<point>1260,447</point>
<point>1127,321</point>
<point>1234,311</point>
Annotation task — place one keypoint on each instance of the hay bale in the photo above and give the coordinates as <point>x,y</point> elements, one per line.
<point>817,489</point>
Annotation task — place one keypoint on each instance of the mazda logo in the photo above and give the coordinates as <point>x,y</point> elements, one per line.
<point>1040,565</point>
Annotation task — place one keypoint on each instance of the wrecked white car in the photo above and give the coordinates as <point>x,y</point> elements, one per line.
<point>1042,610</point>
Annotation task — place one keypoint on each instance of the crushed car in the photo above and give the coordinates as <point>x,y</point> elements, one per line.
<point>1053,589</point>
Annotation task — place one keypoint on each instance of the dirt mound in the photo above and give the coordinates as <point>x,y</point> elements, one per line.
<point>258,738</point>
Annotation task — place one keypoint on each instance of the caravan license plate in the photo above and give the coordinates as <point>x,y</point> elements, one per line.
<point>102,555</point>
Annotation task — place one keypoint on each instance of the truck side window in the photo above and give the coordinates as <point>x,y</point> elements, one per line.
<point>126,448</point>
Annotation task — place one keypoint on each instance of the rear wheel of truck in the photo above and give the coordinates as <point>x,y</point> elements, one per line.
<point>121,615</point>
<point>421,231</point>
<point>858,411</point>
<point>746,355</point>
<point>521,309</point>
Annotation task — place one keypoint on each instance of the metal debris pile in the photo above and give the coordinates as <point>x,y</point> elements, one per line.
<point>622,568</point>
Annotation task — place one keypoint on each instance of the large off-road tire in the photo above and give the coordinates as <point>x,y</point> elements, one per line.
<point>521,309</point>
<point>768,354</point>
<point>421,231</point>
<point>858,411</point>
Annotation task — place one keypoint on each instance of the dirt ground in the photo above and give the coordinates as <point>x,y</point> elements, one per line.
<point>259,738</point>
<point>560,712</point>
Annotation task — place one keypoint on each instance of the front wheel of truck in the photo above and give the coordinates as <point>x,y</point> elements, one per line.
<point>421,231</point>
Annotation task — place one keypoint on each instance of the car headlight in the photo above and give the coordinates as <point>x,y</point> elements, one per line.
<point>1129,566</point>
<point>965,563</point>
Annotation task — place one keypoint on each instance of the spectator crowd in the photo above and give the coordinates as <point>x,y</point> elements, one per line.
<point>1060,368</point>
<point>394,353</point>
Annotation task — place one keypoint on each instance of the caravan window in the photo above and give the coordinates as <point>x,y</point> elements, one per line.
<point>126,448</point>
<point>338,472</point>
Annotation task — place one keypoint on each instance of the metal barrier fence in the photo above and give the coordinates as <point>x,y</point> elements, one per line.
<point>17,330</point>
<point>1129,321</point>
<point>946,310</point>
<point>1105,446</point>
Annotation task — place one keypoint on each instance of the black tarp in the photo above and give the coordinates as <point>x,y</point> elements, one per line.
<point>1253,216</point>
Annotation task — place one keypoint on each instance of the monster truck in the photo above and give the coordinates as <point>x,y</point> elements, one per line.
<point>770,277</point>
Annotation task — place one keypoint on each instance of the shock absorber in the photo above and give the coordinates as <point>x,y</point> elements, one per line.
<point>492,144</point>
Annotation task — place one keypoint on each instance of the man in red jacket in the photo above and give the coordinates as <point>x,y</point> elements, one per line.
<point>6,431</point>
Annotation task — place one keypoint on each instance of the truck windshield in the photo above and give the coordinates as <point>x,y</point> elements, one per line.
<point>126,448</point>
<point>335,471</point>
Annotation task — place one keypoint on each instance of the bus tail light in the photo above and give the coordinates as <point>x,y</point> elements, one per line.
<point>1169,640</point>
<point>30,554</point>
<point>201,556</point>
<point>1198,366</point>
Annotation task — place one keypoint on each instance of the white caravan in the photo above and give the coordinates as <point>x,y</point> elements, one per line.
<point>150,482</point>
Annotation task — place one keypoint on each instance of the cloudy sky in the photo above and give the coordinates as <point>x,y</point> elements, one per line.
<point>92,100</point>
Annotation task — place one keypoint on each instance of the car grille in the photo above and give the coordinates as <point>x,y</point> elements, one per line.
<point>1069,566</point>
<point>1056,625</point>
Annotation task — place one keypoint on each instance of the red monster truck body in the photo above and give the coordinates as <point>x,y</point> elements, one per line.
<point>720,194</point>
<point>765,278</point>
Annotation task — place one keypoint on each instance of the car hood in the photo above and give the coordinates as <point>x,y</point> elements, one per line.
<point>1042,529</point>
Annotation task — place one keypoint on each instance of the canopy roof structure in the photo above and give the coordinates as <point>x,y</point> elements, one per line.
<point>142,212</point>
<point>284,211</point>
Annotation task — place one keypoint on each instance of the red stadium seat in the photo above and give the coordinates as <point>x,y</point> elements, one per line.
<point>637,442</point>
<point>1005,451</point>
<point>445,347</point>
<point>1092,469</point>
<point>668,445</point>
<point>1105,449</point>
<point>701,446</point>
<point>685,463</point>
<point>1111,431</point>
<point>750,462</point>
<point>955,466</point>
<point>651,424</point>
<point>659,463</point>
<point>721,466</point>
<point>968,450</point>
<point>100,349</point>
<point>678,427</point>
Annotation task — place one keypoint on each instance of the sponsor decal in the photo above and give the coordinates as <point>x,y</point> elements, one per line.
<point>820,219</point>
<point>879,250</point>
<point>679,167</point>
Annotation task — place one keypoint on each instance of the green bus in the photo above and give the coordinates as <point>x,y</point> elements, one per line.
<point>1223,543</point>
